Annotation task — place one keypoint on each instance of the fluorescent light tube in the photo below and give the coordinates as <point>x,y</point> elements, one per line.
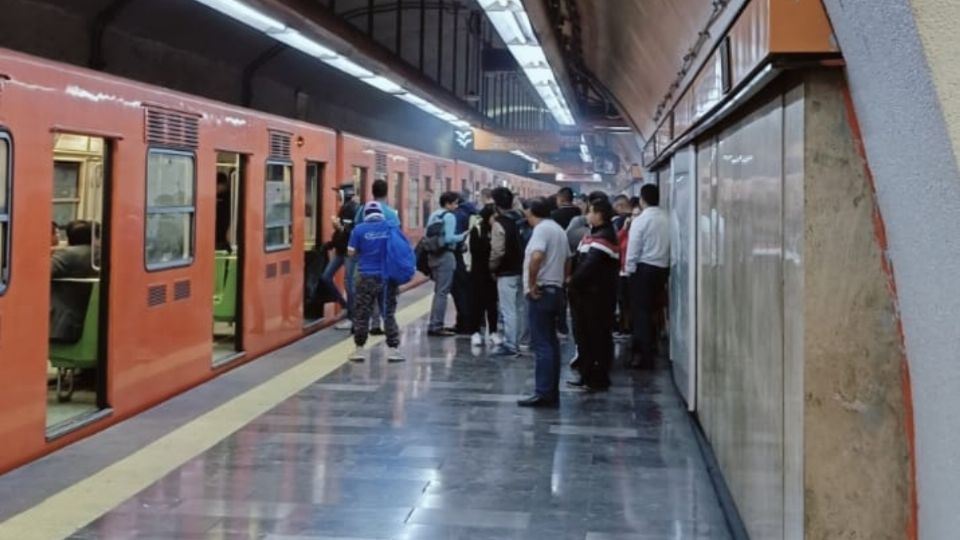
<point>349,67</point>
<point>384,84</point>
<point>304,44</point>
<point>513,25</point>
<point>254,18</point>
<point>247,15</point>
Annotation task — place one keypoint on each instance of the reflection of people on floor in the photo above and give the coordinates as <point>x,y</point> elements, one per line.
<point>69,300</point>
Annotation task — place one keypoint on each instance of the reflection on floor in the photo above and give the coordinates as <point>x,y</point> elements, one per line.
<point>224,341</point>
<point>436,448</point>
<point>82,403</point>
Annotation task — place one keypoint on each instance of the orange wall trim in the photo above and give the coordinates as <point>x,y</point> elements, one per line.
<point>880,232</point>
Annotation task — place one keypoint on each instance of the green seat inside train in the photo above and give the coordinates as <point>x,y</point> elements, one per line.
<point>82,354</point>
<point>225,287</point>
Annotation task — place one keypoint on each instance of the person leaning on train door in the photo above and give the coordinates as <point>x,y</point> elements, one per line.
<point>68,301</point>
<point>648,266</point>
<point>343,225</point>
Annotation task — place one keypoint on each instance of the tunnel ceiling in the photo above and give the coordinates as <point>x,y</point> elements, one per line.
<point>634,49</point>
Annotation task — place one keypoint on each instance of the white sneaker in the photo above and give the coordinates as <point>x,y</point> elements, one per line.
<point>496,339</point>
<point>476,340</point>
<point>345,324</point>
<point>394,355</point>
<point>359,355</point>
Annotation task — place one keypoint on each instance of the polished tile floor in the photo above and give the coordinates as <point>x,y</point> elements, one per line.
<point>436,448</point>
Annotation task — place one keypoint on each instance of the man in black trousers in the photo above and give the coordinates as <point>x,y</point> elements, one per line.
<point>648,265</point>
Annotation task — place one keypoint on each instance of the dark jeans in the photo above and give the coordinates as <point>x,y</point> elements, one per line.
<point>623,300</point>
<point>461,294</point>
<point>442,269</point>
<point>646,288</point>
<point>331,270</point>
<point>562,325</point>
<point>595,315</point>
<point>544,343</point>
<point>369,293</point>
<point>483,304</point>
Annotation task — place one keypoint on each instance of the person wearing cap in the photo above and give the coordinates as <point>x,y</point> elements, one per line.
<point>343,226</point>
<point>380,189</point>
<point>368,247</point>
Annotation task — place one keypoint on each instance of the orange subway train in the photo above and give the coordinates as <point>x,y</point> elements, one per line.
<point>177,232</point>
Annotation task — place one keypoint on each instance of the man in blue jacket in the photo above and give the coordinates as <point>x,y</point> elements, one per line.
<point>380,189</point>
<point>368,245</point>
<point>443,264</point>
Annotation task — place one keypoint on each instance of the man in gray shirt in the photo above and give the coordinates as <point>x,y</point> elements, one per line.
<point>545,268</point>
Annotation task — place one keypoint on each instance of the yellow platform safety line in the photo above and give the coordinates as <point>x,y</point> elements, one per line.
<point>76,506</point>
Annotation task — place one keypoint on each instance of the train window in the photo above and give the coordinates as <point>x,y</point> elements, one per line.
<point>66,191</point>
<point>5,174</point>
<point>278,211</point>
<point>311,223</point>
<point>360,182</point>
<point>398,195</point>
<point>413,203</point>
<point>170,209</point>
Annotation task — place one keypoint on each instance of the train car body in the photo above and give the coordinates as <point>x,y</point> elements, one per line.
<point>205,220</point>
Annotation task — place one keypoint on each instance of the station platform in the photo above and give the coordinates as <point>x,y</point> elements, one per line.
<point>301,444</point>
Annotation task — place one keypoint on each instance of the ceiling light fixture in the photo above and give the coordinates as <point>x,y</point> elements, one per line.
<point>256,19</point>
<point>585,155</point>
<point>526,156</point>
<point>512,23</point>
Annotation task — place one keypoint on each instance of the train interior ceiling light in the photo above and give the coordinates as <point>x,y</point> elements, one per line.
<point>256,19</point>
<point>512,23</point>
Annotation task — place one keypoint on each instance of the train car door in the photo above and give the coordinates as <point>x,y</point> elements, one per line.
<point>228,259</point>
<point>315,294</point>
<point>79,286</point>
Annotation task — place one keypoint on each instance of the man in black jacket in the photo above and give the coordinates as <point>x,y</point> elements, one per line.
<point>566,210</point>
<point>594,281</point>
<point>343,226</point>
<point>506,263</point>
<point>69,299</point>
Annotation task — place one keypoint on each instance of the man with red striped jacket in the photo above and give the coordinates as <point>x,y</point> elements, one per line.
<point>595,277</point>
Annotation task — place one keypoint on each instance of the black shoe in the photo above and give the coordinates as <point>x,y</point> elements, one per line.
<point>376,331</point>
<point>539,402</point>
<point>445,332</point>
<point>577,383</point>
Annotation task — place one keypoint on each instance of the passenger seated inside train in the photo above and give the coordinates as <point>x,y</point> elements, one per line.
<point>68,299</point>
<point>55,236</point>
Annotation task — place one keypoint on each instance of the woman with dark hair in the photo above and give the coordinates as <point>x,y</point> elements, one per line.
<point>595,278</point>
<point>483,285</point>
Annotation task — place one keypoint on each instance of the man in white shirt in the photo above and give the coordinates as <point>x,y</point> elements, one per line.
<point>648,266</point>
<point>545,269</point>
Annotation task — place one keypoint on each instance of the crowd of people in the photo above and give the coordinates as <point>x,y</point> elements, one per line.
<point>523,275</point>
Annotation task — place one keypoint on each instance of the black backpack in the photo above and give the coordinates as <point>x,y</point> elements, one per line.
<point>431,244</point>
<point>524,232</point>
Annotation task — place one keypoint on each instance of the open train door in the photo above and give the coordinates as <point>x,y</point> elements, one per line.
<point>79,282</point>
<point>228,259</point>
